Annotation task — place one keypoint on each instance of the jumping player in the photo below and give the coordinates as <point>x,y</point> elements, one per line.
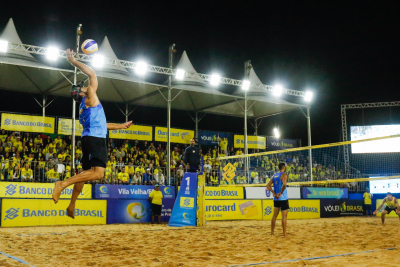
<point>391,203</point>
<point>281,202</point>
<point>95,126</point>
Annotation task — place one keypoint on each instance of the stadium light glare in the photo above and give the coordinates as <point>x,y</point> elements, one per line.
<point>52,53</point>
<point>276,133</point>
<point>308,96</point>
<point>215,79</point>
<point>98,61</point>
<point>180,74</point>
<point>3,46</point>
<point>246,85</point>
<point>141,68</point>
<point>278,90</point>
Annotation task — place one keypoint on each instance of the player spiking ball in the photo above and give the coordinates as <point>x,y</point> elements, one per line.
<point>95,126</point>
<point>391,204</point>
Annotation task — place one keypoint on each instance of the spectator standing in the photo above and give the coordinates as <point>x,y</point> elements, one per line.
<point>367,202</point>
<point>192,157</point>
<point>224,146</point>
<point>155,198</point>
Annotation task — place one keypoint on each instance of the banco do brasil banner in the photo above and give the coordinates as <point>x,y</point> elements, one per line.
<point>177,135</point>
<point>279,144</point>
<point>37,212</point>
<point>257,142</point>
<point>299,209</point>
<point>341,207</point>
<point>38,190</point>
<point>135,211</point>
<point>316,192</point>
<point>134,132</point>
<point>223,192</point>
<point>131,191</point>
<point>65,127</point>
<point>221,210</point>
<point>25,123</point>
<point>213,138</point>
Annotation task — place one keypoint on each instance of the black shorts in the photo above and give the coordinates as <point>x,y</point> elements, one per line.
<point>155,209</point>
<point>389,210</point>
<point>94,152</point>
<point>283,204</point>
<point>367,206</point>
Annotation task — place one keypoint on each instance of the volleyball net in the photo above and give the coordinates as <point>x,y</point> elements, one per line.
<point>320,165</point>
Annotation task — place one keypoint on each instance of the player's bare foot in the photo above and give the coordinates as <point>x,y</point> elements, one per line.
<point>70,211</point>
<point>58,188</point>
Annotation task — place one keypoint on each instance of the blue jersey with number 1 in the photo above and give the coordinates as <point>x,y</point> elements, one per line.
<point>93,120</point>
<point>276,180</point>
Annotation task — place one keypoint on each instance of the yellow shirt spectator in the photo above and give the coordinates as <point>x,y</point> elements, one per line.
<point>79,152</point>
<point>112,163</point>
<point>53,174</point>
<point>156,197</point>
<point>123,176</point>
<point>27,173</point>
<point>3,137</point>
<point>152,153</point>
<point>155,171</point>
<point>214,179</point>
<point>239,152</point>
<point>140,170</point>
<point>254,174</point>
<point>367,199</point>
<point>223,144</point>
<point>62,157</point>
<point>107,173</point>
<point>42,164</point>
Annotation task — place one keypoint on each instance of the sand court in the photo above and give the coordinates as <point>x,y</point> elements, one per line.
<point>220,243</point>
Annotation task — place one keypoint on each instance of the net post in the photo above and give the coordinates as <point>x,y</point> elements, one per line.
<point>309,140</point>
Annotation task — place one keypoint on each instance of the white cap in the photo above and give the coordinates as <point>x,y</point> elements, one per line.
<point>148,169</point>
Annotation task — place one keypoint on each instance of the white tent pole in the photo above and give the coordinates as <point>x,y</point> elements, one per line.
<point>44,105</point>
<point>309,140</point>
<point>171,58</point>
<point>126,112</point>
<point>78,36</point>
<point>247,67</point>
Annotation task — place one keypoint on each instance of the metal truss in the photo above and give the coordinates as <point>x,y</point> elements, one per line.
<point>344,123</point>
<point>150,68</point>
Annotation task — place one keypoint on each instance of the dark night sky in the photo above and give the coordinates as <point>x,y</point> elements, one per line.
<point>347,51</point>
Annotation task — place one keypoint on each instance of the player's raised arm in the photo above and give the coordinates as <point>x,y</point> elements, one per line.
<point>383,203</point>
<point>114,126</point>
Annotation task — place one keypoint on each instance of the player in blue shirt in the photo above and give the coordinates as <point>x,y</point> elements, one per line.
<point>95,126</point>
<point>281,202</point>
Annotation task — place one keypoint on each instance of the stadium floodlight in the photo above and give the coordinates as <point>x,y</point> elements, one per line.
<point>276,133</point>
<point>308,96</point>
<point>246,85</point>
<point>3,46</point>
<point>180,74</point>
<point>278,90</point>
<point>141,68</point>
<point>52,53</point>
<point>215,79</point>
<point>98,61</point>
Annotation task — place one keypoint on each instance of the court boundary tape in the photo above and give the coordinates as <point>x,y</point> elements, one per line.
<point>314,258</point>
<point>14,258</point>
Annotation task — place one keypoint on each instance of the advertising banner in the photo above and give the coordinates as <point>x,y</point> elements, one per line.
<point>223,192</point>
<point>25,123</point>
<point>184,211</point>
<point>224,210</point>
<point>263,193</point>
<point>299,209</point>
<point>258,142</point>
<point>131,191</point>
<point>320,192</point>
<point>341,207</point>
<point>213,138</point>
<point>279,144</point>
<point>65,127</point>
<point>379,213</point>
<point>134,132</point>
<point>136,211</point>
<point>177,135</point>
<point>39,190</point>
<point>38,212</point>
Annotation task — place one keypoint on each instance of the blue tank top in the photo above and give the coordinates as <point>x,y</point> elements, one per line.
<point>93,120</point>
<point>276,180</point>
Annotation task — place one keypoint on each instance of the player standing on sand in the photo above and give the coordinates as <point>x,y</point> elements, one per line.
<point>391,203</point>
<point>95,126</point>
<point>281,202</point>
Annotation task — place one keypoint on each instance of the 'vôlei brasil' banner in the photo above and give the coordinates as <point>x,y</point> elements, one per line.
<point>65,127</point>
<point>315,192</point>
<point>177,135</point>
<point>37,212</point>
<point>134,132</point>
<point>131,191</point>
<point>24,123</point>
<point>341,207</point>
<point>38,190</point>
<point>257,142</point>
<point>213,138</point>
<point>279,144</point>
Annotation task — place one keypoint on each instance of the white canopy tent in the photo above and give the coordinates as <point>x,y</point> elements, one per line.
<point>20,71</point>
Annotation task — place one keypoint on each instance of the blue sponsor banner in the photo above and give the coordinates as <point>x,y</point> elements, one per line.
<point>184,212</point>
<point>131,191</point>
<point>212,138</point>
<point>135,211</point>
<point>279,144</point>
<point>318,193</point>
